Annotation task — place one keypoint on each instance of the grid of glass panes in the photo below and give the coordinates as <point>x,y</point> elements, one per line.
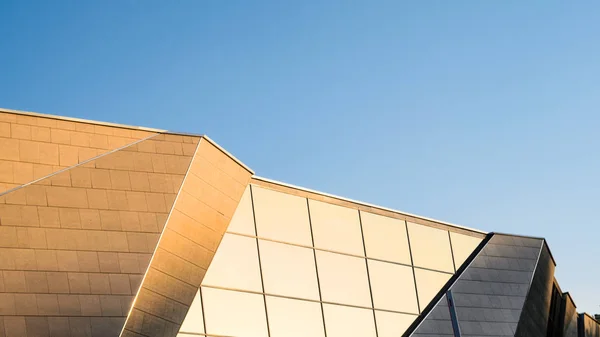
<point>290,266</point>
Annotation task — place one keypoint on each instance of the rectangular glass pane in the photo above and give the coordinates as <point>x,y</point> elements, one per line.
<point>391,324</point>
<point>430,247</point>
<point>336,228</point>
<point>235,264</point>
<point>343,279</point>
<point>234,313</point>
<point>281,217</point>
<point>294,318</point>
<point>343,321</point>
<point>385,238</point>
<point>393,287</point>
<point>194,321</point>
<point>429,283</point>
<point>243,218</point>
<point>289,270</point>
<point>462,247</point>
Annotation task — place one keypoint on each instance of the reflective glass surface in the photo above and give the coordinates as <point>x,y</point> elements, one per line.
<point>235,265</point>
<point>343,279</point>
<point>234,313</point>
<point>343,321</point>
<point>385,238</point>
<point>393,287</point>
<point>281,217</point>
<point>336,228</point>
<point>294,318</point>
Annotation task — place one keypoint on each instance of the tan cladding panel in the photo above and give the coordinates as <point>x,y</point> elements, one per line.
<point>76,245</point>
<point>34,147</point>
<point>211,191</point>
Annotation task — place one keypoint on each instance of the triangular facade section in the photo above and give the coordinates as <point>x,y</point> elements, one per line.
<point>295,263</point>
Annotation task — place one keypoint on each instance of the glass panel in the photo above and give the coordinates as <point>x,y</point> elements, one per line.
<point>193,321</point>
<point>343,279</point>
<point>289,270</point>
<point>243,218</point>
<point>336,228</point>
<point>462,247</point>
<point>429,283</point>
<point>430,247</point>
<point>385,238</point>
<point>393,287</point>
<point>235,264</point>
<point>294,318</point>
<point>342,321</point>
<point>281,216</point>
<point>390,324</point>
<point>234,313</point>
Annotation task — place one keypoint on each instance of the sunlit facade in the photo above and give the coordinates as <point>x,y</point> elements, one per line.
<point>113,230</point>
<point>295,265</point>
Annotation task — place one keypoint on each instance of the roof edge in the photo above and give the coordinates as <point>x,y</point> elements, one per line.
<point>239,162</point>
<point>567,294</point>
<point>535,238</point>
<point>89,121</point>
<point>367,204</point>
<point>590,316</point>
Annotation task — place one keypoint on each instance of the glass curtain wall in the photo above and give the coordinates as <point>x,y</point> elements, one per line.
<point>289,266</point>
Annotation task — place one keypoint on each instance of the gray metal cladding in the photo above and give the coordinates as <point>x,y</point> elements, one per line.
<point>534,317</point>
<point>490,294</point>
<point>437,322</point>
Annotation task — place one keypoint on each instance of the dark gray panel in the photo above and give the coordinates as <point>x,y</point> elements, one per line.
<point>534,317</point>
<point>570,317</point>
<point>512,240</point>
<point>490,293</point>
<point>437,322</point>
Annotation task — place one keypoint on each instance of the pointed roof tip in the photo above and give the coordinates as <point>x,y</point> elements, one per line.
<point>227,153</point>
<point>125,126</point>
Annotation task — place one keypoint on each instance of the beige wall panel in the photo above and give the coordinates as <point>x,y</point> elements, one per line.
<point>200,216</point>
<point>194,320</point>
<point>343,321</point>
<point>281,217</point>
<point>235,265</point>
<point>336,228</point>
<point>393,287</point>
<point>462,247</point>
<point>288,270</point>
<point>390,324</point>
<point>343,279</point>
<point>243,218</point>
<point>430,248</point>
<point>429,283</point>
<point>37,146</point>
<point>245,318</point>
<point>385,238</point>
<point>77,243</point>
<point>294,318</point>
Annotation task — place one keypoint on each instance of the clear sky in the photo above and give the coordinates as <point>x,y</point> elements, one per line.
<point>481,113</point>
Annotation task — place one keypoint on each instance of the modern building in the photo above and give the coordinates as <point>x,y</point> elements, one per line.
<point>110,230</point>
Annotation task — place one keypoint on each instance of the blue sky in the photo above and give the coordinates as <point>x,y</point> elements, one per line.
<point>479,113</point>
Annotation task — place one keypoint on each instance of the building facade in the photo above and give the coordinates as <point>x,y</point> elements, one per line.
<point>112,230</point>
